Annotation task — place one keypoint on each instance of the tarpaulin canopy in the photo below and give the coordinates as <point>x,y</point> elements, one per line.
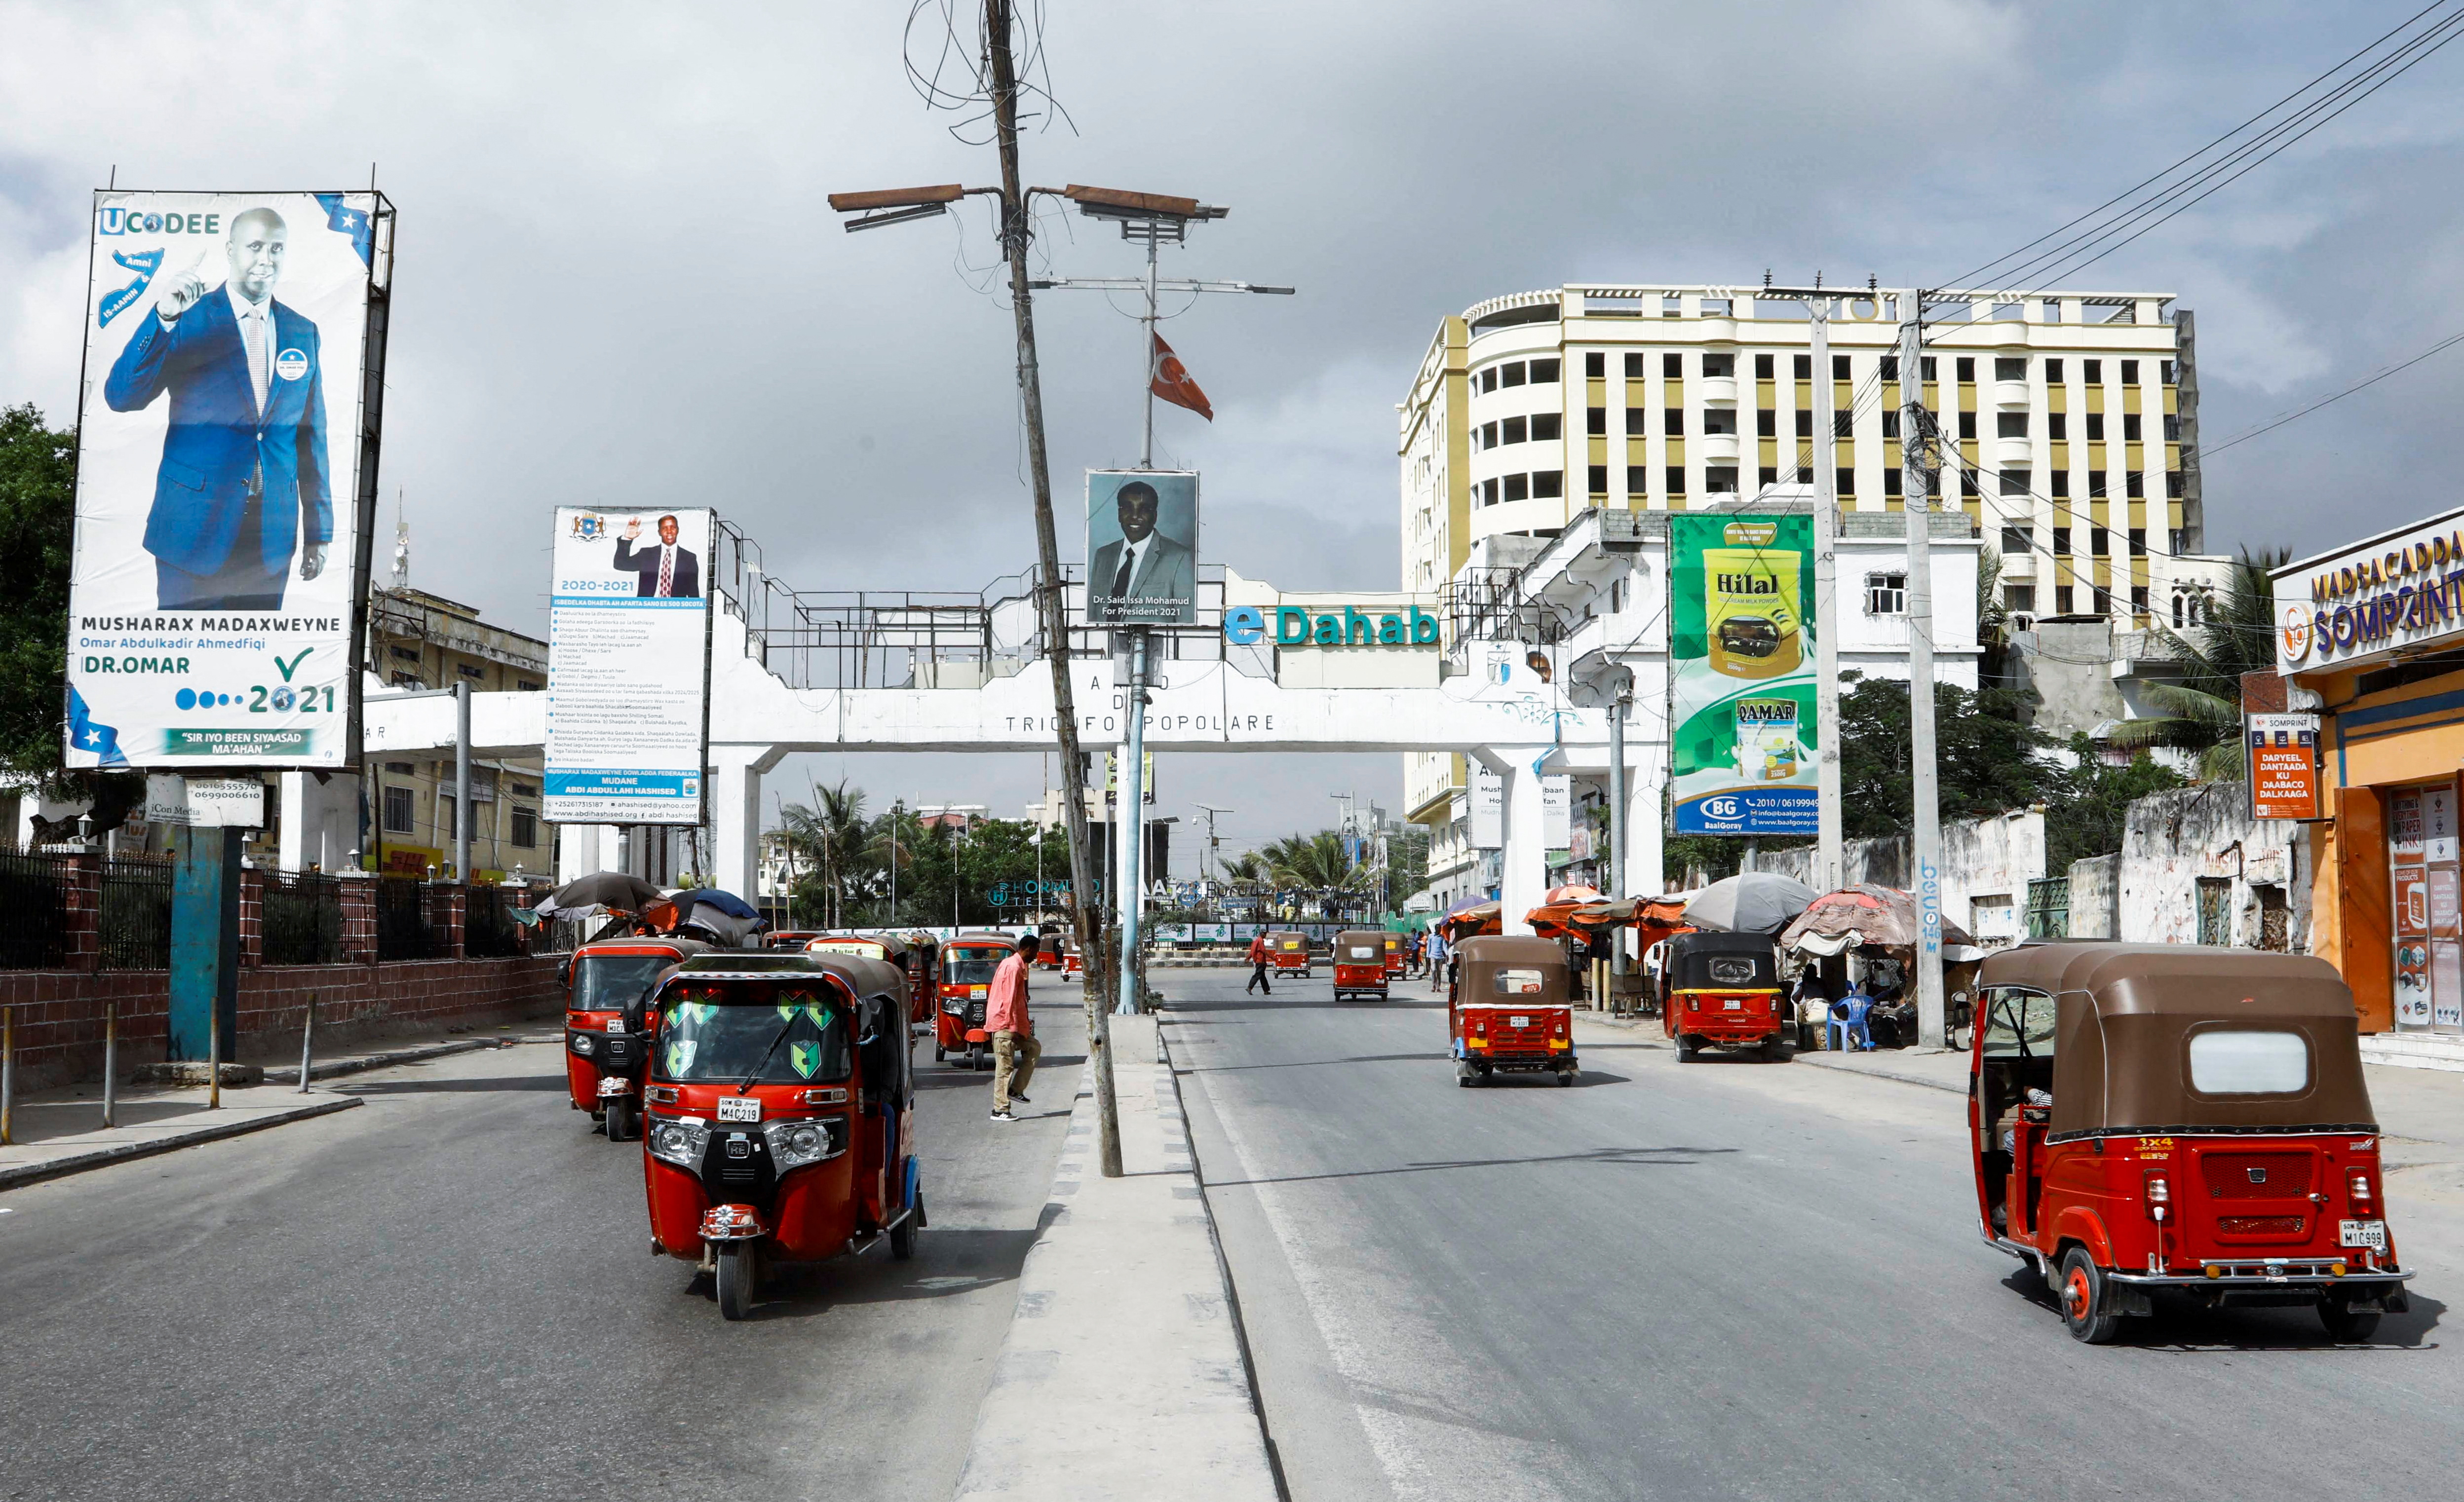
<point>1855,917</point>
<point>1470,919</point>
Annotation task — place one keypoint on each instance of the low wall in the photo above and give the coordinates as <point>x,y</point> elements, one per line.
<point>59,1028</point>
<point>2198,846</point>
<point>2095,898</point>
<point>1987,864</point>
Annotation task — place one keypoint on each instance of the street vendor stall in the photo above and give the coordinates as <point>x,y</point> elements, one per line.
<point>1880,926</point>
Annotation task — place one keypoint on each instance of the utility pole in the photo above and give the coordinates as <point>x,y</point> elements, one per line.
<point>1917,475</point>
<point>1828,874</point>
<point>1214,846</point>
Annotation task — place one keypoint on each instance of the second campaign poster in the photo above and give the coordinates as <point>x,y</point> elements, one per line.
<point>629,667</point>
<point>1742,730</point>
<point>210,591</point>
<point>1141,547</point>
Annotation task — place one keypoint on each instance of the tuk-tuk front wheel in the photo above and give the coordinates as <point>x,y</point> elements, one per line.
<point>939,1054</point>
<point>620,1119</point>
<point>736,1270</point>
<point>902,1236</point>
<point>2344,1323</point>
<point>2080,1293</point>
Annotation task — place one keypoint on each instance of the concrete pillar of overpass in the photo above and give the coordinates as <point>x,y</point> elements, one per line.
<point>583,850</point>
<point>736,817</point>
<point>1524,874</point>
<point>1646,774</point>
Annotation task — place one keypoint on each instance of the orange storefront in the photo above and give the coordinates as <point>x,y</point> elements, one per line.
<point>2376,632</point>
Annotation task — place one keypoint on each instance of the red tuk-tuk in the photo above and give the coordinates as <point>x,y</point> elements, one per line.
<point>789,938</point>
<point>1395,955</point>
<point>1361,964</point>
<point>605,1049</point>
<point>1048,954</point>
<point>1072,963</point>
<point>1722,989</point>
<point>781,1113</point>
<point>1508,1010</point>
<point>863,946</point>
<point>1290,951</point>
<point>2153,1117</point>
<point>965,988</point>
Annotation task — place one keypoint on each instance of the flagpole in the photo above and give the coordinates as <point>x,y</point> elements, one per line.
<point>1146,438</point>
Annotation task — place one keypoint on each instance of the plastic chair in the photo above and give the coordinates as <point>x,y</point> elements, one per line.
<point>1847,1027</point>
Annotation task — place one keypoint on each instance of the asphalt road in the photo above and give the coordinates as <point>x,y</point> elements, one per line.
<point>448,1294</point>
<point>1724,1279</point>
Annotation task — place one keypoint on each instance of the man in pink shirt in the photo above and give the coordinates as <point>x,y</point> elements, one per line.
<point>1005,1018</point>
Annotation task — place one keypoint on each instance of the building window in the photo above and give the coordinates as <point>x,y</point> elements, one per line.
<point>1840,368</point>
<point>2016,482</point>
<point>2172,484</point>
<point>2099,540</point>
<point>1965,370</point>
<point>1518,487</point>
<point>1722,365</point>
<point>1672,366</point>
<point>1765,423</point>
<point>2009,424</point>
<point>1968,425</point>
<point>1544,372</point>
<point>404,654</point>
<point>2139,599</point>
<point>403,680</point>
<point>2058,426</point>
<point>2062,479</point>
<point>398,811</point>
<point>1805,421</point>
<point>2052,373</point>
<point>2094,372</point>
<point>1890,421</point>
<point>1968,483</point>
<point>1599,479</point>
<point>400,767</point>
<point>1637,420</point>
<point>1840,424</point>
<point>1595,364</point>
<point>2130,427</point>
<point>1763,367</point>
<point>1805,474</point>
<point>1925,368</point>
<point>1801,366</point>
<point>1720,419</point>
<point>1546,427</point>
<point>1890,367</point>
<point>2096,485</point>
<point>2063,595</point>
<point>1489,493</point>
<point>2103,598</point>
<point>1886,594</point>
<point>1844,481</point>
<point>1720,480</point>
<point>2139,542</point>
<point>2130,372</point>
<point>527,685</point>
<point>2017,538</point>
<point>2134,483</point>
<point>1513,430</point>
<point>1633,366</point>
<point>1547,484</point>
<point>1768,475</point>
<point>2011,367</point>
<point>525,828</point>
<point>1676,479</point>
<point>2019,599</point>
<point>2172,427</point>
<point>2164,371</point>
<point>1673,422</point>
<point>447,829</point>
<point>1891,482</point>
<point>2061,541</point>
<point>1489,380</point>
<point>1595,421</point>
<point>469,672</point>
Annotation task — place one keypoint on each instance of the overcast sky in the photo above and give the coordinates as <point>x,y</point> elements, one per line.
<point>619,283</point>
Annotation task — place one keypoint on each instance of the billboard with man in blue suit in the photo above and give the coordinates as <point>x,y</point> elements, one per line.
<point>213,586</point>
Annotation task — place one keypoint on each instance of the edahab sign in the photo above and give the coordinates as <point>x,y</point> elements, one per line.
<point>1245,625</point>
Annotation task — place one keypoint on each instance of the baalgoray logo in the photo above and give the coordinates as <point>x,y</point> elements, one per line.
<point>120,221</point>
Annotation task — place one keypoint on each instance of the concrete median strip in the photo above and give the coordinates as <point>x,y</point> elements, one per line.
<point>63,1156</point>
<point>1123,1375</point>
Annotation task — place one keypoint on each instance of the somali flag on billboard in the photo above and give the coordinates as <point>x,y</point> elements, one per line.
<point>343,218</point>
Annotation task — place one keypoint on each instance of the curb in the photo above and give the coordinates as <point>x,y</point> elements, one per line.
<point>386,1060</point>
<point>127,1152</point>
<point>1817,1059</point>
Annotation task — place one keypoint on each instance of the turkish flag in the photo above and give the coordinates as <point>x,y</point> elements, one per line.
<point>1172,381</point>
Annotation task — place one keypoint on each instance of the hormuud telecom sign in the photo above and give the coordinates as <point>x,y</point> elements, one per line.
<point>2358,604</point>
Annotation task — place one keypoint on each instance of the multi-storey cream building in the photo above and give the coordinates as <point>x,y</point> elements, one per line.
<point>2066,417</point>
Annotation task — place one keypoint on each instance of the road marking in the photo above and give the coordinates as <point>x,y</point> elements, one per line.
<point>1428,1448</point>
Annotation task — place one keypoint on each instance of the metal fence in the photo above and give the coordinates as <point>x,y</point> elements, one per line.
<point>403,931</point>
<point>2049,908</point>
<point>136,920</point>
<point>300,919</point>
<point>33,911</point>
<point>487,928</point>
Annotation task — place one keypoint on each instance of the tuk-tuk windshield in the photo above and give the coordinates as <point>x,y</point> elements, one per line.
<point>2020,1025</point>
<point>723,1033</point>
<point>613,982</point>
<point>971,967</point>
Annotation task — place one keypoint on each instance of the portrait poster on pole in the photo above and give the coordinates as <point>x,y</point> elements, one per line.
<point>629,667</point>
<point>222,437</point>
<point>1741,686</point>
<point>1141,547</point>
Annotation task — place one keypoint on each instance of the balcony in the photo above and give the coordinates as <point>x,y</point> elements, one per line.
<point>1719,390</point>
<point>1719,447</point>
<point>2010,393</point>
<point>2011,452</point>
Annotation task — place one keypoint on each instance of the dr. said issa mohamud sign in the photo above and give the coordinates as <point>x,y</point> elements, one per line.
<point>1741,674</point>
<point>1141,547</point>
<point>629,667</point>
<point>219,467</point>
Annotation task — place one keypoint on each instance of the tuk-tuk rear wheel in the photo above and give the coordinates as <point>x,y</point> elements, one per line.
<point>2080,1293</point>
<point>736,1270</point>
<point>902,1236</point>
<point>939,1054</point>
<point>2344,1323</point>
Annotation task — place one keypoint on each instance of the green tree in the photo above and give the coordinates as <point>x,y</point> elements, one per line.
<point>829,838</point>
<point>1316,861</point>
<point>2085,818</point>
<point>2203,713</point>
<point>1988,758</point>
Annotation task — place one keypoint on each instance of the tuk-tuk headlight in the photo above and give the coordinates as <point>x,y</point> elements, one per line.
<point>582,1043</point>
<point>679,1143</point>
<point>795,1144</point>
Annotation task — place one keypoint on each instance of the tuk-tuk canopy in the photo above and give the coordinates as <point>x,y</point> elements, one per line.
<point>1286,940</point>
<point>861,976</point>
<point>1496,969</point>
<point>1371,940</point>
<point>2158,1037</point>
<point>1717,960</point>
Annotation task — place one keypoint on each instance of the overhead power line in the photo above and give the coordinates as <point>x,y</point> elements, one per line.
<point>2273,423</point>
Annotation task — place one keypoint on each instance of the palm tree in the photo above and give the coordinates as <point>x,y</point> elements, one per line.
<point>2203,713</point>
<point>831,837</point>
<point>1316,861</point>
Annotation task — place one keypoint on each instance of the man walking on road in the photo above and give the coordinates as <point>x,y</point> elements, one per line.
<point>1258,957</point>
<point>1015,1050</point>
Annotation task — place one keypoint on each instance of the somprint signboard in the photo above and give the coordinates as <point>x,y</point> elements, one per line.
<point>2397,590</point>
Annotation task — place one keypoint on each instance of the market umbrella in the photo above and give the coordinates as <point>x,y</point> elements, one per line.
<point>616,891</point>
<point>727,917</point>
<point>1666,914</point>
<point>1861,915</point>
<point>1549,919</point>
<point>1469,919</point>
<point>1750,901</point>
